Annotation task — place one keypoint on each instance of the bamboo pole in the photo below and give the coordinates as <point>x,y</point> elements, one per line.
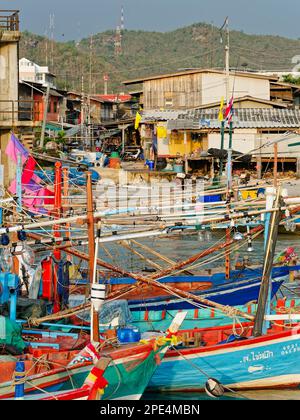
<point>141,256</point>
<point>158,255</point>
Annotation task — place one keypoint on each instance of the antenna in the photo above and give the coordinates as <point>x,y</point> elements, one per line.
<point>119,34</point>
<point>122,19</point>
<point>91,64</point>
<point>51,30</point>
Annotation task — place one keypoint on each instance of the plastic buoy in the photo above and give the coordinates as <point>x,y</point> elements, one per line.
<point>214,388</point>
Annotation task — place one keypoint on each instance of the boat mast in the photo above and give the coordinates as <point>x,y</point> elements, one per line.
<point>91,237</point>
<point>271,229</point>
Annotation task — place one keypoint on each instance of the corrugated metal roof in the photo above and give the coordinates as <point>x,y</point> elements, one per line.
<point>243,118</point>
<point>161,115</point>
<point>200,70</point>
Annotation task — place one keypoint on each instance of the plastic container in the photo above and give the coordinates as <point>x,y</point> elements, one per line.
<point>210,199</point>
<point>114,155</point>
<point>129,335</point>
<point>114,162</point>
<point>178,169</point>
<point>150,164</point>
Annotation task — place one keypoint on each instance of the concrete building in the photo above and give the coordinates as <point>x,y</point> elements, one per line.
<point>32,72</point>
<point>9,94</point>
<point>198,87</point>
<point>254,132</point>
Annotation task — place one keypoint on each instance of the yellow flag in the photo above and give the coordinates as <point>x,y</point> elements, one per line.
<point>138,119</point>
<point>221,116</point>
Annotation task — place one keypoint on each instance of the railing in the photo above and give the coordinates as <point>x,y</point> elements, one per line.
<point>9,20</point>
<point>22,110</point>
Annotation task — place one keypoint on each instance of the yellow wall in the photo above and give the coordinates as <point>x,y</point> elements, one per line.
<point>177,147</point>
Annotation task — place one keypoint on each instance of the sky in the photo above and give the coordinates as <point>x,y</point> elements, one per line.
<point>77,19</point>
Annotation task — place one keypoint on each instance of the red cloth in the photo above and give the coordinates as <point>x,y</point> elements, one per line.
<point>28,170</point>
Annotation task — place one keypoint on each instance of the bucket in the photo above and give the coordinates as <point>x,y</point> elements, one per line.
<point>178,169</point>
<point>128,335</point>
<point>114,155</point>
<point>150,164</point>
<point>114,163</point>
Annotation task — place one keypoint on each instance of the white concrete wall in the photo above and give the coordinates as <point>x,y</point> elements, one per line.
<point>214,87</point>
<point>9,77</point>
<point>243,141</point>
<point>283,147</point>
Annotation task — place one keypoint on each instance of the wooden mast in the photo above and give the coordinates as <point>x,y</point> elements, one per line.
<point>91,238</point>
<point>272,229</point>
<point>56,228</point>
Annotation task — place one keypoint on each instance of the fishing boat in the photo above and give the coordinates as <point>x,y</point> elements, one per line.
<point>204,281</point>
<point>235,359</point>
<point>258,355</point>
<point>234,294</point>
<point>128,373</point>
<point>204,317</point>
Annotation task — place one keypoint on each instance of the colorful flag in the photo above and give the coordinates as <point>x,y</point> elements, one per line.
<point>221,115</point>
<point>138,119</point>
<point>229,110</point>
<point>14,148</point>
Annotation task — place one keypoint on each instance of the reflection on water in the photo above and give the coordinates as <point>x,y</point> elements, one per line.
<point>182,247</point>
<point>275,395</point>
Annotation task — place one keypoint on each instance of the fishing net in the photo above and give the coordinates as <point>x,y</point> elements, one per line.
<point>11,334</point>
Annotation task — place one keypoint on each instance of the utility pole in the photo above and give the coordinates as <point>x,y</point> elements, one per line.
<point>46,101</point>
<point>82,109</point>
<point>227,61</point>
<point>275,164</point>
<point>105,79</point>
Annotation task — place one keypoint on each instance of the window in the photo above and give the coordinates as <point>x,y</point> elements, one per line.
<point>168,99</point>
<point>55,107</point>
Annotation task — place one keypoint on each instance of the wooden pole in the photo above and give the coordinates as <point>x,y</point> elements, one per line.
<point>275,164</point>
<point>154,283</point>
<point>56,232</point>
<point>91,259</point>
<point>273,228</point>
<point>222,147</point>
<point>46,100</point>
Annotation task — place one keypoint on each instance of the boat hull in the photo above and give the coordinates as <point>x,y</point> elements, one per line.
<point>266,362</point>
<point>128,375</point>
<point>234,294</point>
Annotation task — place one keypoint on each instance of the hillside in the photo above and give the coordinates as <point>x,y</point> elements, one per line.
<point>146,53</point>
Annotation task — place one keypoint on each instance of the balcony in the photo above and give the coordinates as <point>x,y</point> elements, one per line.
<point>9,20</point>
<point>19,113</point>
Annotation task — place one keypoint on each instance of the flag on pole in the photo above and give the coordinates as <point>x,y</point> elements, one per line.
<point>15,148</point>
<point>221,115</point>
<point>138,119</point>
<point>229,110</point>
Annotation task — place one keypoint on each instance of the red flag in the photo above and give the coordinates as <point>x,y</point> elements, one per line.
<point>229,110</point>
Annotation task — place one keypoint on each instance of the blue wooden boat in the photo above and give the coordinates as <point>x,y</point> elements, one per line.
<point>215,276</point>
<point>199,318</point>
<point>238,362</point>
<point>232,294</point>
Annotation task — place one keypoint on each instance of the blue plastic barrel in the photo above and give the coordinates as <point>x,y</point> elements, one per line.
<point>128,335</point>
<point>150,164</point>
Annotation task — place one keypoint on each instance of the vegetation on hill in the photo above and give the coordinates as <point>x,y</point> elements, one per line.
<point>84,63</point>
